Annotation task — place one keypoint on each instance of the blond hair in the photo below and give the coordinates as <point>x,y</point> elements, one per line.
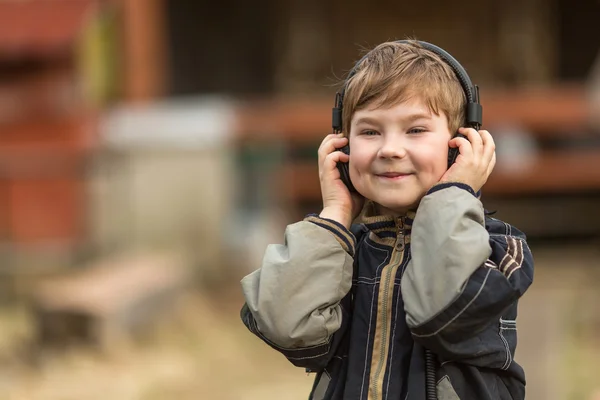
<point>393,73</point>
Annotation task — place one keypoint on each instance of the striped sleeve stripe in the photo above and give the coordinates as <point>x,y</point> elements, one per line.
<point>509,255</point>
<point>343,236</point>
<point>513,259</point>
<point>518,259</point>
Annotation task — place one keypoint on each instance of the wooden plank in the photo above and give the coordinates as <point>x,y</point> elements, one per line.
<point>551,172</point>
<point>544,112</point>
<point>46,210</point>
<point>42,28</point>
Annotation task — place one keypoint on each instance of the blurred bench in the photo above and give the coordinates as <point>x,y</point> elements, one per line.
<point>104,303</point>
<point>558,113</point>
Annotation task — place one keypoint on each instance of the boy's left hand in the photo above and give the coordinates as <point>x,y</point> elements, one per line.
<point>476,160</point>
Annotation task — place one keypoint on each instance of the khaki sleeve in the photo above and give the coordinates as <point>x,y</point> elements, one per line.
<point>449,243</point>
<point>465,278</point>
<point>295,296</point>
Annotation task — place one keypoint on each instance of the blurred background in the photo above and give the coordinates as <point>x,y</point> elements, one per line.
<point>151,149</point>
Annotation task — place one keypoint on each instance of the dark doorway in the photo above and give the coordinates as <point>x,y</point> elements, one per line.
<point>579,37</point>
<point>220,47</point>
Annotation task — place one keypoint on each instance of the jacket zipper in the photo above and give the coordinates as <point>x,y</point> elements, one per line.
<point>388,284</point>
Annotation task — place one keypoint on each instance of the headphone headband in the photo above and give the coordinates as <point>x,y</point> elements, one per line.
<point>474,111</point>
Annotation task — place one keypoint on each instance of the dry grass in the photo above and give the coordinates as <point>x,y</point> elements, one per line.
<point>200,351</point>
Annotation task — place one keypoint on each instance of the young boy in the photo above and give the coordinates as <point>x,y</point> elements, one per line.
<point>423,272</point>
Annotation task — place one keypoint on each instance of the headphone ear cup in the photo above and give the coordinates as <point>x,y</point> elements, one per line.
<point>345,170</point>
<point>452,154</point>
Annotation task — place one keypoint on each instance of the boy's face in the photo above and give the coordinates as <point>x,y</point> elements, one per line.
<point>397,153</point>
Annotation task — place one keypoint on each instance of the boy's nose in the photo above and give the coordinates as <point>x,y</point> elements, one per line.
<point>392,148</point>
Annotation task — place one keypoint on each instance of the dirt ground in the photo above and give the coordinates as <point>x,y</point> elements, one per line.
<point>202,351</point>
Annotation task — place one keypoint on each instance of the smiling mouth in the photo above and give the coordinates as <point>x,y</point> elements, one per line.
<point>392,175</point>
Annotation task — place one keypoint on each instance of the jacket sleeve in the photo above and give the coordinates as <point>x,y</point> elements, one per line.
<point>462,277</point>
<point>300,298</point>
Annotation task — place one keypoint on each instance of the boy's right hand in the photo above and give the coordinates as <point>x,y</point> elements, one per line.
<point>338,203</point>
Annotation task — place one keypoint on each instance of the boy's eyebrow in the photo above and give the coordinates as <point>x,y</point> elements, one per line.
<point>367,120</point>
<point>416,116</point>
<point>409,118</point>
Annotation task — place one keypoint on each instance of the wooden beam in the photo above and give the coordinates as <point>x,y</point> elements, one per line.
<point>543,112</point>
<point>551,172</point>
<point>144,49</point>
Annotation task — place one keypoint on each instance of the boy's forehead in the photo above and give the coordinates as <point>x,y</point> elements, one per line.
<point>412,108</point>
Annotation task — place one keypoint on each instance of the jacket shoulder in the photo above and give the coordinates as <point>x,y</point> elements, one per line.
<point>497,227</point>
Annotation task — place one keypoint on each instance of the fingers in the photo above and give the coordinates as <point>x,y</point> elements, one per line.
<point>329,164</point>
<point>464,146</point>
<point>481,142</point>
<point>477,158</point>
<point>489,146</point>
<point>491,165</point>
<point>335,157</point>
<point>474,138</point>
<point>330,144</point>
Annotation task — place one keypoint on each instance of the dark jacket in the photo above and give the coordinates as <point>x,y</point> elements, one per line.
<point>359,307</point>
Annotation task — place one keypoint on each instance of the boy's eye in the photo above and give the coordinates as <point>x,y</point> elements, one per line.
<point>416,130</point>
<point>369,132</point>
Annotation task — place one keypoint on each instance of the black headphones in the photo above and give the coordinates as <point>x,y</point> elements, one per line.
<point>473,112</point>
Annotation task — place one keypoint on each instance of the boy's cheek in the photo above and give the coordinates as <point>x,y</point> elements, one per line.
<point>357,163</point>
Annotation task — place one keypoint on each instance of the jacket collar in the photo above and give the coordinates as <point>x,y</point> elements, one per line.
<point>385,226</point>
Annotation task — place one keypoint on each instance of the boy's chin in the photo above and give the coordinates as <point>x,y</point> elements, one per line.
<point>398,206</point>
